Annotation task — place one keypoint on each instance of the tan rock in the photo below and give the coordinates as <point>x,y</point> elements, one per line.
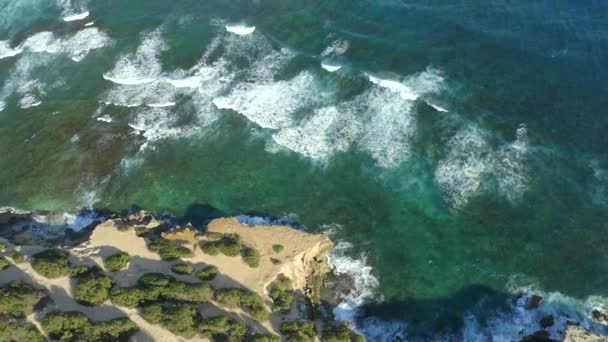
<point>575,333</point>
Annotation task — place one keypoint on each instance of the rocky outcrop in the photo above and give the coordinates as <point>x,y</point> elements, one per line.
<point>575,333</point>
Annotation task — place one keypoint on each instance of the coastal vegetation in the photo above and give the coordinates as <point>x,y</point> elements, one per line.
<point>17,257</point>
<point>76,326</point>
<point>299,331</point>
<point>246,300</point>
<point>227,244</point>
<point>170,250</point>
<point>116,262</point>
<point>18,299</point>
<point>181,319</point>
<point>51,263</point>
<point>207,274</point>
<point>222,328</point>
<point>281,294</point>
<point>156,286</point>
<point>251,257</point>
<point>4,264</point>
<point>183,268</point>
<point>19,331</point>
<point>93,288</point>
<point>277,248</point>
<point>340,333</point>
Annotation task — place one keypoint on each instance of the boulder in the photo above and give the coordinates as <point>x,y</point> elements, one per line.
<point>534,302</point>
<point>547,321</point>
<point>575,333</point>
<point>600,316</point>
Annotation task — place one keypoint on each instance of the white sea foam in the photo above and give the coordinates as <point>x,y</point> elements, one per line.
<point>285,220</point>
<point>271,105</point>
<point>29,100</point>
<point>90,23</point>
<point>105,118</point>
<point>518,321</point>
<point>327,131</point>
<point>188,82</point>
<point>241,30</point>
<point>471,158</point>
<point>140,67</point>
<point>76,17</point>
<point>6,51</point>
<point>389,128</point>
<point>337,48</point>
<point>330,67</point>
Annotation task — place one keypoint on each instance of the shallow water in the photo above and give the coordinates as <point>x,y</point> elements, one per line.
<point>460,148</point>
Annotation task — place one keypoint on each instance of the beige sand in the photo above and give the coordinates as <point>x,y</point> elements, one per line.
<point>302,253</point>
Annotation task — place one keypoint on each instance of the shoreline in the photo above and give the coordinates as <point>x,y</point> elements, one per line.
<point>81,239</point>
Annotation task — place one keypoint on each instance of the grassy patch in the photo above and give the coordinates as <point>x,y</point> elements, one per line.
<point>76,326</point>
<point>281,295</point>
<point>228,244</point>
<point>19,331</point>
<point>169,250</point>
<point>278,248</point>
<point>93,288</point>
<point>52,263</point>
<point>182,319</point>
<point>116,262</point>
<point>222,328</point>
<point>246,300</point>
<point>207,274</point>
<point>17,299</point>
<point>182,268</point>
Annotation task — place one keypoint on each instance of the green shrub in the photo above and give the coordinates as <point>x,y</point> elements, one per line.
<point>214,236</point>
<point>80,270</point>
<point>141,231</point>
<point>17,257</point>
<point>12,331</point>
<point>277,248</point>
<point>336,333</point>
<point>281,294</point>
<point>265,338</point>
<point>299,331</point>
<point>246,300</point>
<point>182,268</point>
<point>4,264</point>
<point>76,326</point>
<point>126,296</point>
<point>116,262</point>
<point>251,257</point>
<point>187,292</point>
<point>17,299</point>
<point>181,319</point>
<point>222,328</point>
<point>155,279</point>
<point>207,274</point>
<point>93,289</point>
<point>229,245</point>
<point>359,338</point>
<point>52,263</point>
<point>169,250</point>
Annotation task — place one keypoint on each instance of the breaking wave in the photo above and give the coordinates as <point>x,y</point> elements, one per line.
<point>471,159</point>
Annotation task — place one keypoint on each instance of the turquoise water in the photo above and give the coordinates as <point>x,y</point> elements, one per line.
<point>460,148</point>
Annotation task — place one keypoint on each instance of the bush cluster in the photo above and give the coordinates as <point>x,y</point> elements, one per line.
<point>245,300</point>
<point>17,257</point>
<point>265,338</point>
<point>4,264</point>
<point>277,248</point>
<point>207,274</point>
<point>169,250</point>
<point>51,263</point>
<point>19,331</point>
<point>18,299</point>
<point>116,262</point>
<point>80,270</point>
<point>228,244</point>
<point>281,294</point>
<point>182,268</point>
<point>93,288</point>
<point>251,257</point>
<point>339,333</point>
<point>222,328</point>
<point>299,331</point>
<point>156,286</point>
<point>76,326</point>
<point>182,319</point>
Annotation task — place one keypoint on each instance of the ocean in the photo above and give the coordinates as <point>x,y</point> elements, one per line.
<point>455,150</point>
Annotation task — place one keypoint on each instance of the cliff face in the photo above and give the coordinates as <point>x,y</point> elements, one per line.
<point>575,333</point>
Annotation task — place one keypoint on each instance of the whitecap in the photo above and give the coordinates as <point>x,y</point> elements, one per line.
<point>330,67</point>
<point>327,131</point>
<point>6,51</point>
<point>105,118</point>
<point>161,104</point>
<point>90,23</point>
<point>189,82</point>
<point>240,30</point>
<point>76,17</point>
